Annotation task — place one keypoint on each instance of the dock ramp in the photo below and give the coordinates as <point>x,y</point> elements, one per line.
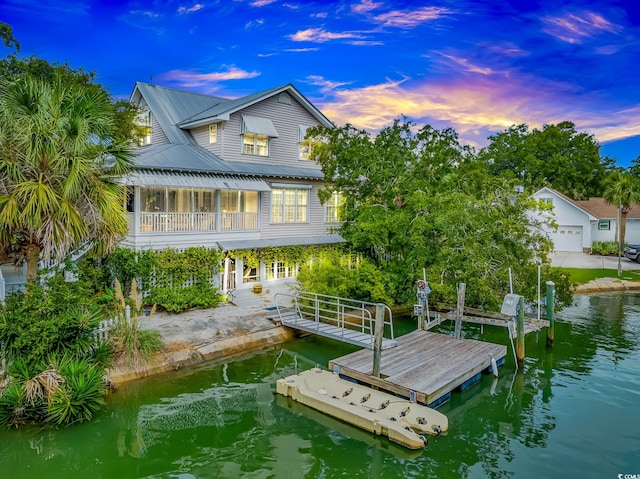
<point>347,320</point>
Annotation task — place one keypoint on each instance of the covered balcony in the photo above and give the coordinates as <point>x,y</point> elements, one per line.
<point>183,209</point>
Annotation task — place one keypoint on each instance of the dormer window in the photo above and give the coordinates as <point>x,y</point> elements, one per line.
<point>256,133</point>
<point>304,145</point>
<point>144,122</point>
<point>213,133</point>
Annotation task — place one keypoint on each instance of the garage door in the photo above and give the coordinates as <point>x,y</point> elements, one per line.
<point>568,238</point>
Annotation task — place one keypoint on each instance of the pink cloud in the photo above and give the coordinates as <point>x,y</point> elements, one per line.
<point>475,107</point>
<point>365,6</point>
<point>195,8</point>
<point>574,27</point>
<point>411,18</point>
<point>192,79</point>
<point>319,35</point>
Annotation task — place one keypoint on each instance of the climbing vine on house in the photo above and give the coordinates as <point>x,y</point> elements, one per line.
<point>288,254</point>
<point>174,280</point>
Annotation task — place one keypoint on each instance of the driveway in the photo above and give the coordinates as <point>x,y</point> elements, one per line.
<point>566,259</point>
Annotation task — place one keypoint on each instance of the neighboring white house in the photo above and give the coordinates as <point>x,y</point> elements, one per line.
<point>580,223</point>
<point>231,174</point>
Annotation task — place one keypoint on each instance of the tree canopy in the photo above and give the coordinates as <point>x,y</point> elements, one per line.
<point>417,200</point>
<point>557,156</point>
<point>59,156</point>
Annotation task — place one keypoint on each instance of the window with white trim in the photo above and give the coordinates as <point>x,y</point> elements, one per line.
<point>604,224</point>
<point>547,201</point>
<point>144,122</point>
<point>255,144</point>
<point>213,133</point>
<point>304,145</point>
<point>333,208</point>
<point>289,205</point>
<point>280,269</point>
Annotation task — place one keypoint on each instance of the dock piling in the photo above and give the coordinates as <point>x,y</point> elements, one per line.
<point>459,310</point>
<point>520,334</point>
<point>377,339</point>
<point>551,293</point>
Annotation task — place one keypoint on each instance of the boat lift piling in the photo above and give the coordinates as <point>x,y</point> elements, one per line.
<point>520,334</point>
<point>550,298</point>
<point>378,331</point>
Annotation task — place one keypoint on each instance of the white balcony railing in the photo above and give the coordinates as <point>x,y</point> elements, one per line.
<point>238,221</point>
<point>194,222</point>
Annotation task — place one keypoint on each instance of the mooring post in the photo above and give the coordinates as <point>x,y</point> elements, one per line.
<point>377,339</point>
<point>459,310</point>
<point>551,293</point>
<point>520,334</point>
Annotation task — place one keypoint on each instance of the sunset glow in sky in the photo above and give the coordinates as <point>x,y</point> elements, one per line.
<point>476,66</point>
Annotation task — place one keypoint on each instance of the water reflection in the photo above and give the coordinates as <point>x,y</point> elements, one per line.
<point>572,411</point>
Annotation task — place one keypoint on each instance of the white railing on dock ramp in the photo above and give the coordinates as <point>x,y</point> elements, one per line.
<point>344,319</point>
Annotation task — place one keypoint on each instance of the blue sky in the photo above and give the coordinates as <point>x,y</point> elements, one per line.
<point>476,66</point>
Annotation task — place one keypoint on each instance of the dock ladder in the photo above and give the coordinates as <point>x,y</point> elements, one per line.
<point>343,319</point>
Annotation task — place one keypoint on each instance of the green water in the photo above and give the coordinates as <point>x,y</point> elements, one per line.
<point>572,413</point>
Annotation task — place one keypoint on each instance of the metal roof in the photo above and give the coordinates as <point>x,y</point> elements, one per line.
<point>171,106</point>
<point>258,125</point>
<point>223,110</point>
<point>286,241</point>
<point>191,180</point>
<point>180,157</point>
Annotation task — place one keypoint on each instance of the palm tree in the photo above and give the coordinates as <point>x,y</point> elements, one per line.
<point>622,189</point>
<point>58,165</point>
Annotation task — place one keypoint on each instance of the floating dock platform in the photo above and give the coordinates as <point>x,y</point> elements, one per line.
<point>425,367</point>
<point>383,414</point>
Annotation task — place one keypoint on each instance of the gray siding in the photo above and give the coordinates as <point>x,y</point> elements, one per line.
<point>201,135</point>
<point>315,225</point>
<point>282,150</point>
<point>158,136</point>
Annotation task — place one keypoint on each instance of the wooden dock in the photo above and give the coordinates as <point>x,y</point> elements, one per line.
<point>425,366</point>
<point>477,316</point>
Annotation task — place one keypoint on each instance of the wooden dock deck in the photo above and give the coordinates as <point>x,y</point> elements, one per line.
<point>425,366</point>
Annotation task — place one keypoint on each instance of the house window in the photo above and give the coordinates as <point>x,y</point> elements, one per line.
<point>280,270</point>
<point>333,207</point>
<point>179,200</point>
<point>213,133</point>
<point>304,145</point>
<point>547,201</point>
<point>604,225</point>
<point>249,274</point>
<point>255,144</point>
<point>256,132</point>
<point>289,205</point>
<point>304,150</point>
<point>144,123</point>
<point>129,199</point>
<point>152,199</point>
<point>204,201</point>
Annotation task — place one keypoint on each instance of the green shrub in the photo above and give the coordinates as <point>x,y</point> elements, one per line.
<point>338,274</point>
<point>55,367</point>
<point>176,300</point>
<point>62,390</point>
<point>604,247</point>
<point>133,346</point>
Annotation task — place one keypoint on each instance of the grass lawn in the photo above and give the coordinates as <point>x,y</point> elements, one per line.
<point>582,276</point>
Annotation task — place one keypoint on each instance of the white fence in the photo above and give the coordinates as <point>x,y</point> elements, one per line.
<point>101,333</point>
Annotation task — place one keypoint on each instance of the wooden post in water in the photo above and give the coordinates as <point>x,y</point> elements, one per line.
<point>520,334</point>
<point>459,310</point>
<point>378,332</point>
<point>551,293</point>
